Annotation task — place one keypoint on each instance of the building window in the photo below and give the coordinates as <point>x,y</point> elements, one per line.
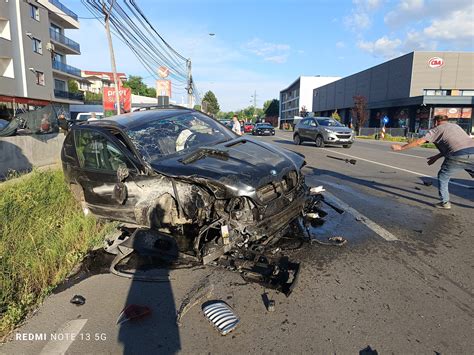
<point>40,78</point>
<point>433,92</point>
<point>58,57</point>
<point>37,46</point>
<point>467,92</point>
<point>6,68</point>
<point>34,12</point>
<point>60,85</point>
<point>5,29</point>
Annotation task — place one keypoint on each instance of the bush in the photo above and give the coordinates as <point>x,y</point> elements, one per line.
<point>43,235</point>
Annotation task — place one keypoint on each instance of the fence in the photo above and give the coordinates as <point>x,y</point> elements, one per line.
<point>394,132</point>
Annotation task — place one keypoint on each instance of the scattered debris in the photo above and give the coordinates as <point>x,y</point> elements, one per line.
<point>427,183</point>
<point>368,351</point>
<point>133,312</point>
<point>316,190</point>
<point>335,208</point>
<point>78,300</point>
<point>221,316</point>
<point>203,289</point>
<point>332,241</point>
<point>351,161</point>
<point>271,306</point>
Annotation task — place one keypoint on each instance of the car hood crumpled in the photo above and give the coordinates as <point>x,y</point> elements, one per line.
<point>241,166</point>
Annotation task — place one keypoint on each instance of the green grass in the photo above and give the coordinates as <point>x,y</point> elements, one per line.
<point>389,138</point>
<point>43,235</point>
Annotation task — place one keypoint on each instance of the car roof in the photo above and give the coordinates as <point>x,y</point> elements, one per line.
<point>137,118</point>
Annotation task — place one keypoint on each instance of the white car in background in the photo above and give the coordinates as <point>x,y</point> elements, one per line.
<point>89,116</point>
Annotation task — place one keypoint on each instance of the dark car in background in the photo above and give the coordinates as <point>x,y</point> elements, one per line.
<point>323,130</point>
<point>182,173</point>
<point>263,129</point>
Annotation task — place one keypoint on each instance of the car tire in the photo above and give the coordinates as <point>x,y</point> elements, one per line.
<point>297,139</point>
<point>319,142</point>
<point>347,146</point>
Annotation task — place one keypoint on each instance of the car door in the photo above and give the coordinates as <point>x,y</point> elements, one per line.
<point>312,129</point>
<point>99,156</point>
<point>303,129</point>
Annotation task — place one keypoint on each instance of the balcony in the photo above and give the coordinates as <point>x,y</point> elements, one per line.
<point>67,44</point>
<point>66,69</point>
<point>79,96</point>
<point>64,9</point>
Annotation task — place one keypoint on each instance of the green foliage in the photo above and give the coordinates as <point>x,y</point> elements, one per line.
<point>92,97</point>
<point>336,116</point>
<point>43,235</point>
<point>273,108</point>
<point>197,107</point>
<point>212,104</point>
<point>138,87</point>
<point>72,86</point>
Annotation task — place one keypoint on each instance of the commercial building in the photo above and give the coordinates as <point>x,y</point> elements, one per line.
<point>409,90</point>
<point>298,96</point>
<point>33,55</point>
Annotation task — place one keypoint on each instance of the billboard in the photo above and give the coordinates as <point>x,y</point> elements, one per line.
<point>163,88</point>
<point>454,112</point>
<point>125,97</point>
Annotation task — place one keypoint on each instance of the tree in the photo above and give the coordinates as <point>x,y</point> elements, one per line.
<point>359,111</point>
<point>72,86</point>
<point>92,97</point>
<point>212,104</point>
<point>336,116</point>
<point>138,87</point>
<point>304,111</point>
<point>271,108</point>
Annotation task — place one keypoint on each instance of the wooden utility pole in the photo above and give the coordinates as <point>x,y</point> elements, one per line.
<point>112,56</point>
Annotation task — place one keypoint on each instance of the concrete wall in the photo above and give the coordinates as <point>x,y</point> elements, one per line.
<point>21,153</point>
<point>456,73</point>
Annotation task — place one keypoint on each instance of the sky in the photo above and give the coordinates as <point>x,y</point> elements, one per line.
<point>263,46</point>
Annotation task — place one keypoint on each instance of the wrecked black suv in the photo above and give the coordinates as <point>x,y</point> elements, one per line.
<point>182,173</point>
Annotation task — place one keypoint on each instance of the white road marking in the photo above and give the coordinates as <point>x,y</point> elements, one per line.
<point>65,340</point>
<point>382,232</point>
<point>394,167</point>
<point>408,155</point>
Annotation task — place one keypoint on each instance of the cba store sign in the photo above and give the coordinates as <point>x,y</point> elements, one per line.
<point>125,98</point>
<point>436,62</point>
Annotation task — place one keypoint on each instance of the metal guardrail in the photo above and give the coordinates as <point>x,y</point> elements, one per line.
<point>59,37</point>
<point>66,68</point>
<point>69,95</point>
<point>64,9</point>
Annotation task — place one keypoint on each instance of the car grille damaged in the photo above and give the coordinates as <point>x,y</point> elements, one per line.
<point>273,190</point>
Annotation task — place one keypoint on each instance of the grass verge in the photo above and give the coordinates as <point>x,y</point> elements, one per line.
<point>43,235</point>
<point>389,138</point>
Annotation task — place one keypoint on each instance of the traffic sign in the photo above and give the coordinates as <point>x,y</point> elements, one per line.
<point>163,72</point>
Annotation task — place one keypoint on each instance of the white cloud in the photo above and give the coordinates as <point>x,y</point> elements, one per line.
<point>272,52</point>
<point>382,47</point>
<point>359,19</point>
<point>458,26</point>
<point>340,44</point>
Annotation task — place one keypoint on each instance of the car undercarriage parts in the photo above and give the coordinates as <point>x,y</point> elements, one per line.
<point>221,316</point>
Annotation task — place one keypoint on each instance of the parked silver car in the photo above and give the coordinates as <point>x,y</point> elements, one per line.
<point>323,130</point>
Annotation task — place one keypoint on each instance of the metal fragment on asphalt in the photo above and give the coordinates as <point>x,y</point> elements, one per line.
<point>221,316</point>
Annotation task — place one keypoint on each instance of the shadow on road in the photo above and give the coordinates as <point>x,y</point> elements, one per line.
<point>424,199</point>
<point>158,332</point>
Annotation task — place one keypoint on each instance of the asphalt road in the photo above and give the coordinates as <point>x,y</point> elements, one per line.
<point>403,283</point>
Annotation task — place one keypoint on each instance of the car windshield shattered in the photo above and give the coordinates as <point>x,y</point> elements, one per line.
<point>329,122</point>
<point>179,134</point>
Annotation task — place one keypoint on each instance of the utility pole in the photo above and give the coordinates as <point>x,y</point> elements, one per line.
<point>190,84</point>
<point>111,51</point>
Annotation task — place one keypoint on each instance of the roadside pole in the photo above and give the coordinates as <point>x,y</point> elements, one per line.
<point>112,56</point>
<point>190,84</point>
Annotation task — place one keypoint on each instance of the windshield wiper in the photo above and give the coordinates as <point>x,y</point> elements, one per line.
<point>205,152</point>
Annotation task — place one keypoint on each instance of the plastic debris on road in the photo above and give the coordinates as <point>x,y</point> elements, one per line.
<point>78,300</point>
<point>133,312</point>
<point>221,316</point>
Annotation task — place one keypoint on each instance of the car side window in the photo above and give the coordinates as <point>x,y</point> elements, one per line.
<point>312,123</point>
<point>304,122</point>
<point>95,151</point>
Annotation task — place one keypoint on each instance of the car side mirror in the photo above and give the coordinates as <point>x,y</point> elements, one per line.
<point>122,173</point>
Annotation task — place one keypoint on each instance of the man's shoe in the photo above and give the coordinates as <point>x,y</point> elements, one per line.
<point>443,205</point>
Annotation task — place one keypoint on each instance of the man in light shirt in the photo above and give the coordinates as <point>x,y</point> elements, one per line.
<point>236,128</point>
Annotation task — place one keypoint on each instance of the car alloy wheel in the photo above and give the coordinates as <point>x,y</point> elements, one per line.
<point>297,139</point>
<point>319,142</point>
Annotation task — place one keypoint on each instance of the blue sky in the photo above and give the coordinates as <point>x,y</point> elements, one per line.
<point>265,45</point>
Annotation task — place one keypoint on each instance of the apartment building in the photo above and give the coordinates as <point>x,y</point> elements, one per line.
<point>300,94</point>
<point>95,81</point>
<point>33,55</point>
